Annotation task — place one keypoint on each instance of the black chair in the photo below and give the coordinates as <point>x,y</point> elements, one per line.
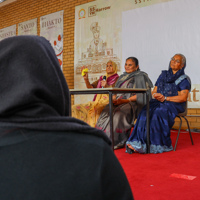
<point>180,116</point>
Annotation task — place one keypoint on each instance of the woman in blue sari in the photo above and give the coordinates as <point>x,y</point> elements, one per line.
<point>169,98</point>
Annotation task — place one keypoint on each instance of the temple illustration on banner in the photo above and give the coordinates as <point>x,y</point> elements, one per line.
<point>97,54</point>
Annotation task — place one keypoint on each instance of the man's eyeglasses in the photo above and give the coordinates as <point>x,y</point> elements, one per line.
<point>176,61</point>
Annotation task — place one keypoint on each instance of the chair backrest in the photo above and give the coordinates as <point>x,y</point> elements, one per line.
<point>185,112</point>
<point>186,105</point>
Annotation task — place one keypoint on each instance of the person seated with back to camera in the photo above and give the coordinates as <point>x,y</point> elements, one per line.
<point>90,111</point>
<point>44,153</point>
<point>169,98</point>
<point>126,106</point>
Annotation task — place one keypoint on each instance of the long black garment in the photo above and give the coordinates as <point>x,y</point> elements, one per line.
<point>44,153</point>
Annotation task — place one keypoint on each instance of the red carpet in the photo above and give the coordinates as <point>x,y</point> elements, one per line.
<point>167,176</point>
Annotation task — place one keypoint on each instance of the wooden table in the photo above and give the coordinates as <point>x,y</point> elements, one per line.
<point>112,91</point>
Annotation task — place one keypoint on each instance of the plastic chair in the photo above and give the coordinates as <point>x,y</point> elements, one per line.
<point>180,116</point>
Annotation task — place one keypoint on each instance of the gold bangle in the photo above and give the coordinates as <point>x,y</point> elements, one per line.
<point>129,99</point>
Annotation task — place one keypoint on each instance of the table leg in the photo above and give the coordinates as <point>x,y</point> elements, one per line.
<point>147,125</point>
<point>111,119</point>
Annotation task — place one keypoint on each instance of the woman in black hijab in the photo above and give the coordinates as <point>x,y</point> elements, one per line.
<point>44,153</point>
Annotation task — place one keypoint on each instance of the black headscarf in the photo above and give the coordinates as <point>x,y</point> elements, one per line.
<point>33,91</point>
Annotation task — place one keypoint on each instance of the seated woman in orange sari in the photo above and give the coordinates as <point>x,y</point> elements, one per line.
<point>89,112</point>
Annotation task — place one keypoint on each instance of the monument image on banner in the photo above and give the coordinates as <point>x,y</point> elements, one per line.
<point>97,54</point>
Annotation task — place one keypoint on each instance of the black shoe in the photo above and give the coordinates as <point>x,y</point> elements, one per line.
<point>128,150</point>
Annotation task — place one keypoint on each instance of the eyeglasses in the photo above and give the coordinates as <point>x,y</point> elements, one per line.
<point>176,61</point>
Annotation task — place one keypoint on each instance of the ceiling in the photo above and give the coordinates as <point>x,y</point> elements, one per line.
<point>6,2</point>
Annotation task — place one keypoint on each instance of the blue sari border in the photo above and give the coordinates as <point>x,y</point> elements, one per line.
<point>142,148</point>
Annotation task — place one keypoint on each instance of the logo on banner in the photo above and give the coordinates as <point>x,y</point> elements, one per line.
<point>81,13</point>
<point>92,10</point>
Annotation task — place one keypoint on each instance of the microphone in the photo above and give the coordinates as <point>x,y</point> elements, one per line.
<point>104,79</point>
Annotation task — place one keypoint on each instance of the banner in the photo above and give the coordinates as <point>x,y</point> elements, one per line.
<point>7,32</point>
<point>51,27</point>
<point>28,27</point>
<point>97,40</point>
<point>151,30</point>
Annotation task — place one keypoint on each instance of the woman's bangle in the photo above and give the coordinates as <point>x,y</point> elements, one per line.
<point>165,98</point>
<point>153,95</point>
<point>129,99</point>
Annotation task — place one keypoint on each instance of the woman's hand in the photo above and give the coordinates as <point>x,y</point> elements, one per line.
<point>83,67</point>
<point>159,97</point>
<point>120,101</point>
<point>86,74</point>
<point>103,83</point>
<point>114,97</point>
<point>87,82</point>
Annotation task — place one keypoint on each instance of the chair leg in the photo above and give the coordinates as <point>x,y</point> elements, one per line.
<point>178,133</point>
<point>189,129</point>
